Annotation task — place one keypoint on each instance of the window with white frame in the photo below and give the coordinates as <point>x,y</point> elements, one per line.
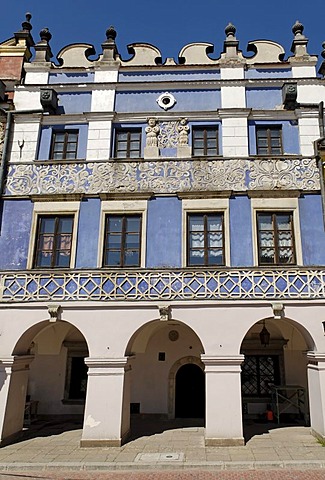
<point>205,239</point>
<point>206,232</point>
<point>276,231</point>
<point>122,237</point>
<point>53,235</point>
<point>275,238</point>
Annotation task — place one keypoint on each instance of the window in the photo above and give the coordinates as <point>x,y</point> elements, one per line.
<point>122,241</point>
<point>258,373</point>
<point>275,238</point>
<point>128,143</point>
<point>205,239</point>
<point>205,141</point>
<point>53,241</point>
<point>64,145</point>
<point>269,141</point>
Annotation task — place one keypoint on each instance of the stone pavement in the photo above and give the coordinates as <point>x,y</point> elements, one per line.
<point>173,446</point>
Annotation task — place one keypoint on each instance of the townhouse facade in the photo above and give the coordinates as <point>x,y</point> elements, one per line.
<point>162,238</point>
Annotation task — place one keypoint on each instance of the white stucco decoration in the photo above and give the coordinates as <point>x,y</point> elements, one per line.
<point>266,51</point>
<point>196,54</point>
<point>166,100</point>
<point>143,54</point>
<point>76,55</point>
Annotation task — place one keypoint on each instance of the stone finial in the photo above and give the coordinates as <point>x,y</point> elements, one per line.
<point>42,48</point>
<point>45,35</point>
<point>26,25</point>
<point>230,46</point>
<point>230,30</point>
<point>297,28</point>
<point>110,52</point>
<point>111,33</point>
<point>299,44</point>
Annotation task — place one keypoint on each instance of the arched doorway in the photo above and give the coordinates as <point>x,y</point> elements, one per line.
<point>54,383</point>
<point>157,351</point>
<point>274,383</point>
<point>189,392</point>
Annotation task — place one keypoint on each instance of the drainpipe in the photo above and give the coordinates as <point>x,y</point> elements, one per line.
<point>5,151</point>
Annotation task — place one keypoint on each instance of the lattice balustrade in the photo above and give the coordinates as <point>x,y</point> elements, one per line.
<point>163,285</point>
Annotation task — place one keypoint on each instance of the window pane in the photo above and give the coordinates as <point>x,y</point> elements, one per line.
<point>131,258</point>
<point>133,224</point>
<point>59,137</point>
<point>197,240</point>
<point>132,240</point>
<point>196,223</point>
<point>65,225</point>
<point>73,137</point>
<point>215,257</point>
<point>43,260</point>
<point>122,136</point>
<point>113,258</point>
<point>265,222</point>
<point>47,225</point>
<point>115,224</point>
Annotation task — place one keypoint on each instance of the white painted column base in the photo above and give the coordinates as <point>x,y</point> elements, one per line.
<point>316,391</point>
<point>223,424</point>
<point>13,380</point>
<point>107,411</point>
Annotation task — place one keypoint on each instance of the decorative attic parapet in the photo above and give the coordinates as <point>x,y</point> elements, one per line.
<point>76,55</point>
<point>144,54</point>
<point>196,54</point>
<point>265,51</point>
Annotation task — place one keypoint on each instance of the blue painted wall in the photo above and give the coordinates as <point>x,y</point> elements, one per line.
<point>241,242</point>
<point>88,233</point>
<point>168,76</point>
<point>164,232</point>
<point>263,98</point>
<point>312,230</point>
<point>46,137</point>
<point>74,102</point>
<point>290,135</point>
<point>268,73</point>
<point>81,77</point>
<point>15,234</point>
<point>190,100</point>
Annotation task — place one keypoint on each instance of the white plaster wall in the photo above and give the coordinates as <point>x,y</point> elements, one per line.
<point>311,93</point>
<point>36,78</point>
<point>233,97</point>
<point>149,377</point>
<point>25,100</point>
<point>308,133</point>
<point>302,71</point>
<point>99,140</point>
<point>234,137</point>
<point>232,73</point>
<point>28,134</point>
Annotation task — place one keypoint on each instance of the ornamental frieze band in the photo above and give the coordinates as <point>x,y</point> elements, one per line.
<point>180,284</point>
<point>162,176</point>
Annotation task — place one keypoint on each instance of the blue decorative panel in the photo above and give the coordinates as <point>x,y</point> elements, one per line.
<point>81,77</point>
<point>46,137</point>
<point>168,76</point>
<point>164,232</point>
<point>88,233</point>
<point>74,102</point>
<point>312,230</point>
<point>241,246</point>
<point>189,100</point>
<point>263,98</point>
<point>290,135</point>
<point>257,284</point>
<point>15,233</point>
<point>268,73</point>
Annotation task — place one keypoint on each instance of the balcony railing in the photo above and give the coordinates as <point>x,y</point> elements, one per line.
<point>162,176</point>
<point>183,284</point>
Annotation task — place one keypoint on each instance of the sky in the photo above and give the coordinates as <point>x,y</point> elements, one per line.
<point>168,25</point>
